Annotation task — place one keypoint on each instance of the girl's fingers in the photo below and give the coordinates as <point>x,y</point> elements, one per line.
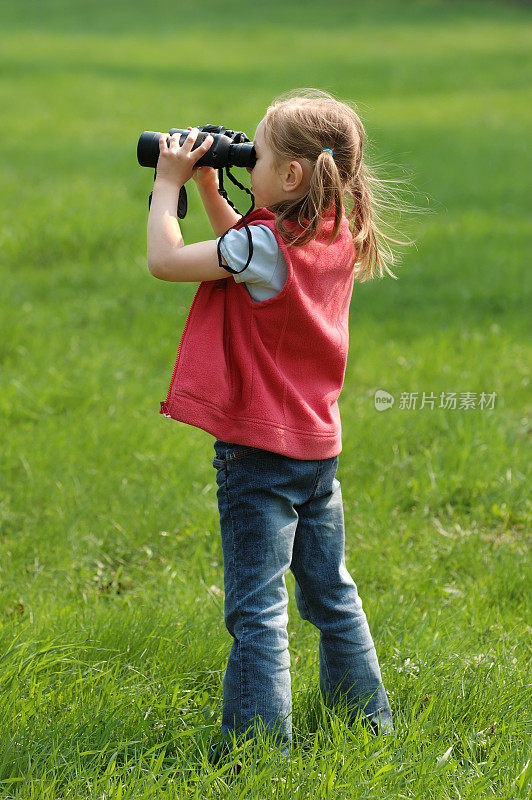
<point>189,141</point>
<point>174,140</point>
<point>204,146</point>
<point>172,146</point>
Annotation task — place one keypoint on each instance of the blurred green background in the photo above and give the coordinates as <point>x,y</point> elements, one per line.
<point>108,512</point>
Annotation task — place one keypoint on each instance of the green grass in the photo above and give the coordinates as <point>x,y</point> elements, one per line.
<point>112,642</point>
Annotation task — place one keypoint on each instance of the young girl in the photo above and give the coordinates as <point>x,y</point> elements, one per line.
<point>260,366</point>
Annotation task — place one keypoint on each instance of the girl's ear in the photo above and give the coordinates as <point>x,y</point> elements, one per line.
<point>294,176</point>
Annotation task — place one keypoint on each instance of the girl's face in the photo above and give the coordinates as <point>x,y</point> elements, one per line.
<point>270,184</point>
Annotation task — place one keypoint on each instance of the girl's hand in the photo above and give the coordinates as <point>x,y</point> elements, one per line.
<point>206,178</point>
<point>176,163</point>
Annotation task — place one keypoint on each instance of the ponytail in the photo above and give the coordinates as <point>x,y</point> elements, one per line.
<point>325,189</point>
<point>308,124</point>
<point>367,193</point>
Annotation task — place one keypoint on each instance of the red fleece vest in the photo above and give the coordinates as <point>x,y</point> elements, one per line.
<point>268,374</point>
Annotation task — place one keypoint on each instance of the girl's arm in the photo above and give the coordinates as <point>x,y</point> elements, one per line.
<point>221,215</point>
<point>168,257</point>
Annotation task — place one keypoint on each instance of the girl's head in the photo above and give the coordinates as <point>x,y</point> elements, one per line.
<point>299,182</point>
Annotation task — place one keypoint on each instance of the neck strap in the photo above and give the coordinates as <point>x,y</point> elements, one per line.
<point>223,193</point>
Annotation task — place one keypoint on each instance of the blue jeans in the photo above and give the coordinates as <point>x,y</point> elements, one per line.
<point>279,513</point>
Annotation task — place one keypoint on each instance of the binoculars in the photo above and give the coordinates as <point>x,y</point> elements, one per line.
<point>229,149</point>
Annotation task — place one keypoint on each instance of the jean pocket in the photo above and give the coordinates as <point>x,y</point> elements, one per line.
<point>218,462</point>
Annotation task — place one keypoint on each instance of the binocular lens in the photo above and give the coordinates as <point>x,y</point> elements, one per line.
<point>148,149</point>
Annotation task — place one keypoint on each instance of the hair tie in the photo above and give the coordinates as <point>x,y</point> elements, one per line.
<point>327,150</point>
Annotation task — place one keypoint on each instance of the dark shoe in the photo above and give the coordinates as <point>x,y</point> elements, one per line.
<point>381,728</point>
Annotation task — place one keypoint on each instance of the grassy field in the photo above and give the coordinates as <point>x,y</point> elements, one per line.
<point>112,641</point>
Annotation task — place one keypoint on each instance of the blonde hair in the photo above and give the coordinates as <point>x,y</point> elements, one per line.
<point>300,124</point>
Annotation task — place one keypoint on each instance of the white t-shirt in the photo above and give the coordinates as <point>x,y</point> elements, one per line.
<point>266,274</point>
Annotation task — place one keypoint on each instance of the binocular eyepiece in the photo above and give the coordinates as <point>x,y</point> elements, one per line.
<point>229,149</point>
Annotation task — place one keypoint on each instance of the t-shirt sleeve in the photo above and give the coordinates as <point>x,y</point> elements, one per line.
<point>263,269</point>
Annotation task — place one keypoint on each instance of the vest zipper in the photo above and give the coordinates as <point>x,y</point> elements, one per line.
<point>164,404</point>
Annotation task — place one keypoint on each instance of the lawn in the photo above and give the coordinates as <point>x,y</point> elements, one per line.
<point>112,639</point>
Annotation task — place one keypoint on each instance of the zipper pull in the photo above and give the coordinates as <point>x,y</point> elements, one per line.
<point>164,409</point>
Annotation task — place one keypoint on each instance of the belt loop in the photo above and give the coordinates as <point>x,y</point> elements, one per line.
<point>318,474</point>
